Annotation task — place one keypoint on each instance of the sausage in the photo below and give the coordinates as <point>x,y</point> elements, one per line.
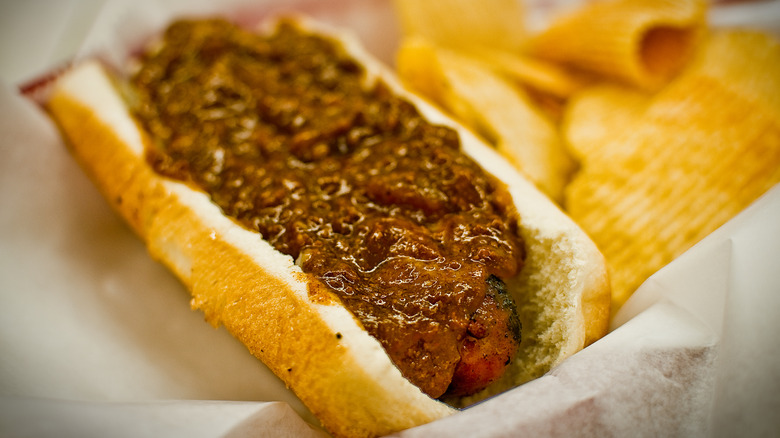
<point>492,339</point>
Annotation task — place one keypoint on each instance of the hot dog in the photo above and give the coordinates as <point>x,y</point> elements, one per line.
<point>353,248</point>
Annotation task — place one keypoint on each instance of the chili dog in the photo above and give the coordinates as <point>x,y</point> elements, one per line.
<point>331,221</point>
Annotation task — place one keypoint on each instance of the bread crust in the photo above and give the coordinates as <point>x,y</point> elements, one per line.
<point>262,298</point>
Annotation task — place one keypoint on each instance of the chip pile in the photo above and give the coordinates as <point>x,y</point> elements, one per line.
<point>680,164</point>
<point>648,126</point>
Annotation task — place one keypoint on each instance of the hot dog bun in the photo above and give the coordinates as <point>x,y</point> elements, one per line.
<point>259,295</point>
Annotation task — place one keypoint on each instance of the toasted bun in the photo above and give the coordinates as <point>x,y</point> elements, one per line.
<point>260,296</point>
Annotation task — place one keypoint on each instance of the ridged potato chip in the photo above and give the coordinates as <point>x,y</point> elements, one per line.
<point>464,23</point>
<point>540,75</point>
<point>593,115</point>
<point>659,174</point>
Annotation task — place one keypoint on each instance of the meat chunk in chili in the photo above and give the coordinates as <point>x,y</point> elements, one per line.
<point>492,339</point>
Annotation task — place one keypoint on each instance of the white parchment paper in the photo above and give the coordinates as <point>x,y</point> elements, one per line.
<point>96,339</point>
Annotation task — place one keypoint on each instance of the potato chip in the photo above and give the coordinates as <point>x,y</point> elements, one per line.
<point>464,23</point>
<point>593,115</point>
<point>657,179</point>
<point>641,42</point>
<point>491,106</point>
<point>418,66</point>
<point>542,76</point>
<point>748,65</point>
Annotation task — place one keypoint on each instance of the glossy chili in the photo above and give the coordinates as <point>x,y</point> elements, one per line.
<point>288,137</point>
